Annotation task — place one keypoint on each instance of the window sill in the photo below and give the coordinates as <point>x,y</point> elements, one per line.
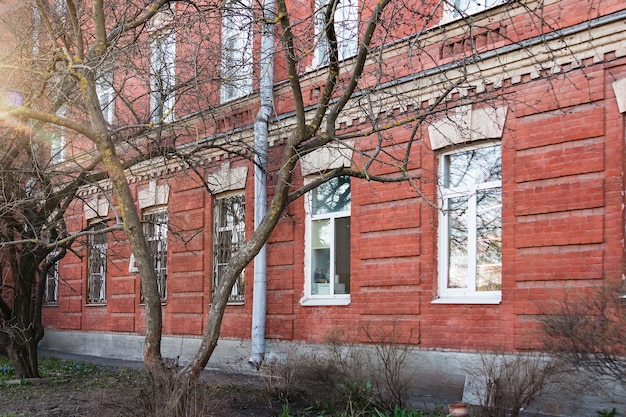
<point>469,299</point>
<point>341,300</point>
<point>102,304</point>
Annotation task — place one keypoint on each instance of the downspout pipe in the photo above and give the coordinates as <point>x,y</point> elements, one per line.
<point>261,133</point>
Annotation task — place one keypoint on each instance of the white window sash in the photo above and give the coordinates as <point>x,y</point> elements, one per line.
<point>236,51</point>
<point>162,77</point>
<point>468,295</point>
<point>106,95</point>
<point>310,299</point>
<point>456,9</point>
<point>58,144</point>
<point>346,21</point>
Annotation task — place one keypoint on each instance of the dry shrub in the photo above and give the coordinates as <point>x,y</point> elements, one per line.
<point>302,374</point>
<point>506,384</point>
<point>588,331</point>
<point>163,395</point>
<point>348,374</point>
<point>377,373</point>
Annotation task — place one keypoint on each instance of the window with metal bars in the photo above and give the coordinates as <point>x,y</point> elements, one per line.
<point>97,247</point>
<point>51,295</point>
<point>155,231</point>
<point>229,235</point>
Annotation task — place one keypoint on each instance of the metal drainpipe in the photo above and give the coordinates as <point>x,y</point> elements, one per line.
<point>260,180</point>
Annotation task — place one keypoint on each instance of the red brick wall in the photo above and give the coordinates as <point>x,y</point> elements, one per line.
<point>563,163</point>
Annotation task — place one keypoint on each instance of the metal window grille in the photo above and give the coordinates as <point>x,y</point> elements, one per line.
<point>228,237</point>
<point>52,283</point>
<point>155,230</point>
<point>97,261</point>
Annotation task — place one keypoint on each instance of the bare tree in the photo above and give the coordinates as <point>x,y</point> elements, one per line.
<point>348,93</point>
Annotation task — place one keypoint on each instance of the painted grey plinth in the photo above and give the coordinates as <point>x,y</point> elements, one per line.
<point>437,377</point>
<point>228,353</point>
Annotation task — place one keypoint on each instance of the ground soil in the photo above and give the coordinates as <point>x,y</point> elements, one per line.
<point>122,392</point>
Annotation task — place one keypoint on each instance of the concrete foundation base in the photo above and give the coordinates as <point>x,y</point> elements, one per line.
<point>437,377</point>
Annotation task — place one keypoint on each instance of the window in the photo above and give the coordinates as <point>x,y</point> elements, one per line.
<point>229,235</point>
<point>155,231</point>
<point>58,143</point>
<point>162,76</point>
<point>51,295</point>
<point>346,22</point>
<point>236,50</point>
<point>106,95</point>
<point>456,9</point>
<point>328,241</point>
<point>470,238</point>
<point>60,7</point>
<point>96,263</point>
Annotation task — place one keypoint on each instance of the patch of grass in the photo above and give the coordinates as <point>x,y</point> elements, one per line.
<point>59,369</point>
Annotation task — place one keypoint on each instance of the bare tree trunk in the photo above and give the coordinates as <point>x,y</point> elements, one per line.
<point>132,225</point>
<point>20,335</point>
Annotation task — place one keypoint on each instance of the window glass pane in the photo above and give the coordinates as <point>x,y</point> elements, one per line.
<point>476,166</point>
<point>489,240</point>
<point>457,242</point>
<point>321,234</point>
<point>321,254</point>
<point>330,238</point>
<point>346,21</point>
<point>236,50</point>
<point>332,196</point>
<point>342,256</point>
<point>162,76</point>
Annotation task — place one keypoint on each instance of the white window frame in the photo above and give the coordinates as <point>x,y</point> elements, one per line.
<point>162,76</point>
<point>346,21</point>
<point>236,229</point>
<point>155,231</point>
<point>106,94</point>
<point>97,250</point>
<point>467,295</point>
<point>236,62</point>
<point>60,7</point>
<point>58,143</point>
<point>457,9</point>
<point>52,281</point>
<point>331,298</point>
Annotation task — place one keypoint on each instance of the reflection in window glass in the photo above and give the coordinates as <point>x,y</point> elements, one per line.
<point>471,221</point>
<point>330,238</point>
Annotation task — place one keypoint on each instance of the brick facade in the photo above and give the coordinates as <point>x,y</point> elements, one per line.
<point>563,163</point>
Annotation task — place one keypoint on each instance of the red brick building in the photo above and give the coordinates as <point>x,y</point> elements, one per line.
<point>521,196</point>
